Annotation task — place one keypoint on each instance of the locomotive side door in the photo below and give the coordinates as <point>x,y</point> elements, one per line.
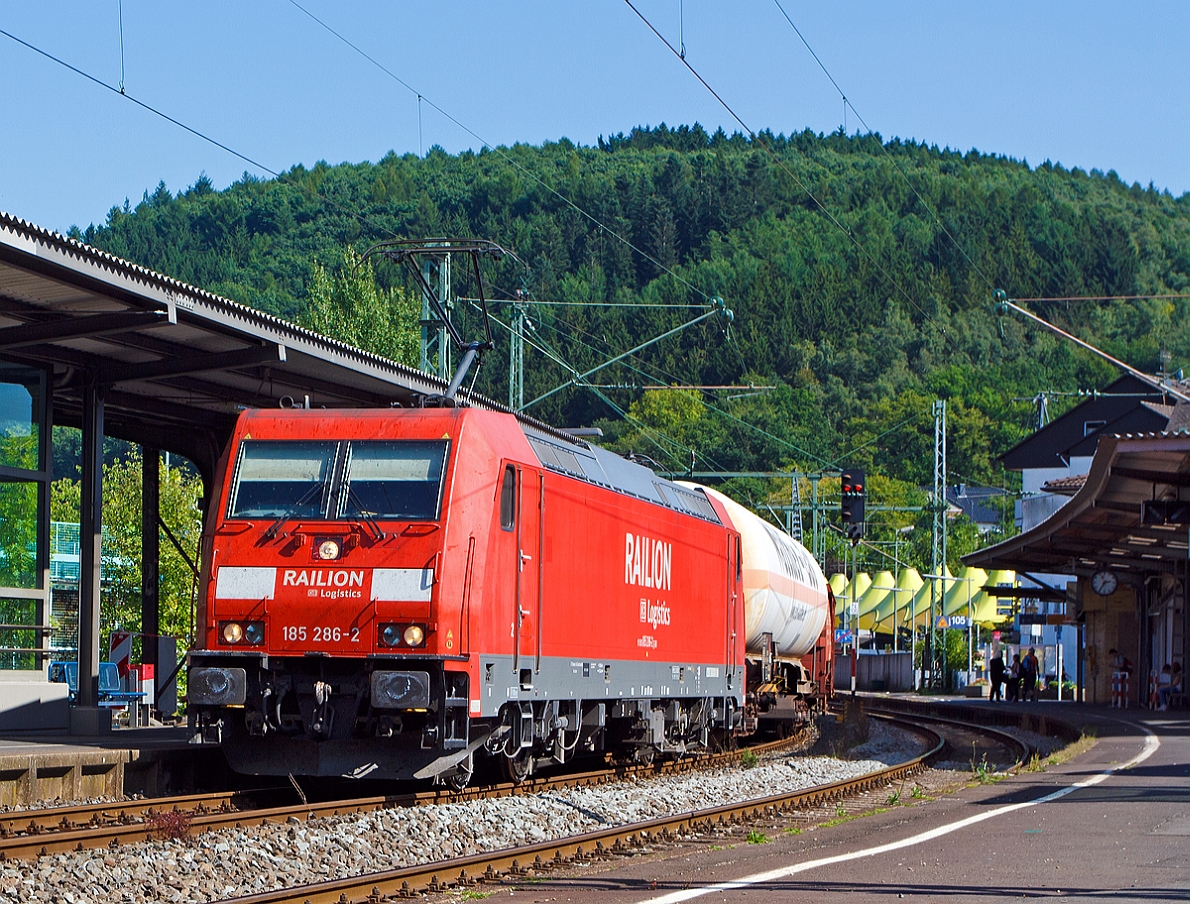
<point>530,507</point>
<point>734,573</point>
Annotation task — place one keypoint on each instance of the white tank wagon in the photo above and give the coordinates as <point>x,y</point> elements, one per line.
<point>785,592</point>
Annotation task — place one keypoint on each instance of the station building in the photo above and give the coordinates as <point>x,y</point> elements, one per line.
<point>1121,536</point>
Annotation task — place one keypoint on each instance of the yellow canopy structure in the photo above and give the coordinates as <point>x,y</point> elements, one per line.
<point>921,599</point>
<point>882,586</point>
<point>965,592</point>
<point>851,592</point>
<point>894,610</point>
<point>993,614</point>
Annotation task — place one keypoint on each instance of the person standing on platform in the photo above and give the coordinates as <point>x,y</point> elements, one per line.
<point>1014,679</point>
<point>1029,670</point>
<point>997,677</point>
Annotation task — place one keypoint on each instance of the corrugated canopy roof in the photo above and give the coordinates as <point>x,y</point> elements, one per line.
<point>178,362</point>
<point>1101,526</point>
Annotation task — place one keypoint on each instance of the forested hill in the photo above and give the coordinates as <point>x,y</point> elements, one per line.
<point>859,324</point>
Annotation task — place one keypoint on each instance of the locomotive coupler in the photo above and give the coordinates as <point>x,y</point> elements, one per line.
<point>324,714</point>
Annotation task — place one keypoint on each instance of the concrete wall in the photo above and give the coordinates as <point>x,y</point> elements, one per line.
<point>893,671</point>
<point>63,774</point>
<point>30,702</point>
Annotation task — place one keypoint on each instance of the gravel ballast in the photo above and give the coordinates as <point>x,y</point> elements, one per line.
<point>234,862</point>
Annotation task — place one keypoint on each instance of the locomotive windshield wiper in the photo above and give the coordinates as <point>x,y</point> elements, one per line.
<point>291,511</point>
<point>365,515</point>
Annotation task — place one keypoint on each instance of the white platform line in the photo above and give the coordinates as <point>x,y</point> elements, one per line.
<point>1151,745</point>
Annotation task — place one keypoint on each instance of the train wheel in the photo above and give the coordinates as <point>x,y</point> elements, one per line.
<point>517,768</point>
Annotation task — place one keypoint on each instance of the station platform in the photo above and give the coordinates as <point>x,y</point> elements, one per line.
<point>1111,822</point>
<point>45,766</point>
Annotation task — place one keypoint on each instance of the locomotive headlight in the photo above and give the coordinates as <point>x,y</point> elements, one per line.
<point>403,635</point>
<point>414,635</point>
<point>254,632</point>
<point>233,632</point>
<point>328,549</point>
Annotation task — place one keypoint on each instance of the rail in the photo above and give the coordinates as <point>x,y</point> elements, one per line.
<point>26,834</point>
<point>602,844</point>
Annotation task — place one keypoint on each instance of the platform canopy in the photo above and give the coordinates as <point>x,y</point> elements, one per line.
<point>177,363</point>
<point>93,341</point>
<point>1128,516</point>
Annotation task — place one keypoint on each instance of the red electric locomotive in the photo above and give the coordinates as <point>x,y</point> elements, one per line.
<point>389,593</point>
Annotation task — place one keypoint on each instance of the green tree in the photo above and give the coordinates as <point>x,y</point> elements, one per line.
<point>857,344</point>
<point>347,305</point>
<point>180,500</point>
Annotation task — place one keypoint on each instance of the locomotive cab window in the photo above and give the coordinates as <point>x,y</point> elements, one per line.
<point>276,477</point>
<point>508,499</point>
<point>399,480</point>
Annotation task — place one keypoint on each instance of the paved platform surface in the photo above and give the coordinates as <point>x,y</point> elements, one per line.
<point>1123,836</point>
<point>22,743</point>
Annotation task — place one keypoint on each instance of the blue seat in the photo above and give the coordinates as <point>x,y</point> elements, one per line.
<point>111,689</point>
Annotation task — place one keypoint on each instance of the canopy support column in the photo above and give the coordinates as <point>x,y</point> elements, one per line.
<point>150,567</point>
<point>88,717</point>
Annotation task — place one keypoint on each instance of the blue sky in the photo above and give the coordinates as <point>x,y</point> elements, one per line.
<point>1095,85</point>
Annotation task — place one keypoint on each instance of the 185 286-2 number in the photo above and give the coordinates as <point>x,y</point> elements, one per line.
<point>320,633</point>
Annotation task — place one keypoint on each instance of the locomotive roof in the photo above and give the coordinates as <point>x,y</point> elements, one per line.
<point>565,454</point>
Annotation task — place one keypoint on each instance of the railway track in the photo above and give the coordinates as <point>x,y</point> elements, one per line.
<point>601,845</point>
<point>29,834</point>
<point>604,844</point>
<point>623,840</point>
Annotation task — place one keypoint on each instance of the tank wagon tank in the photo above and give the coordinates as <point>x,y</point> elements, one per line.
<point>788,610</point>
<point>393,593</point>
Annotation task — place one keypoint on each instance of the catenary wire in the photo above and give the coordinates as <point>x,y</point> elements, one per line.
<point>342,208</point>
<point>1108,297</point>
<point>540,346</point>
<point>664,373</point>
<point>731,340</point>
<point>255,163</point>
<point>650,432</point>
<point>783,166</point>
<point>507,157</point>
<point>896,163</point>
<point>266,169</point>
<point>199,134</point>
<point>140,103</point>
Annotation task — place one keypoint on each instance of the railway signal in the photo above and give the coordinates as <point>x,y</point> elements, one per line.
<point>852,508</point>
